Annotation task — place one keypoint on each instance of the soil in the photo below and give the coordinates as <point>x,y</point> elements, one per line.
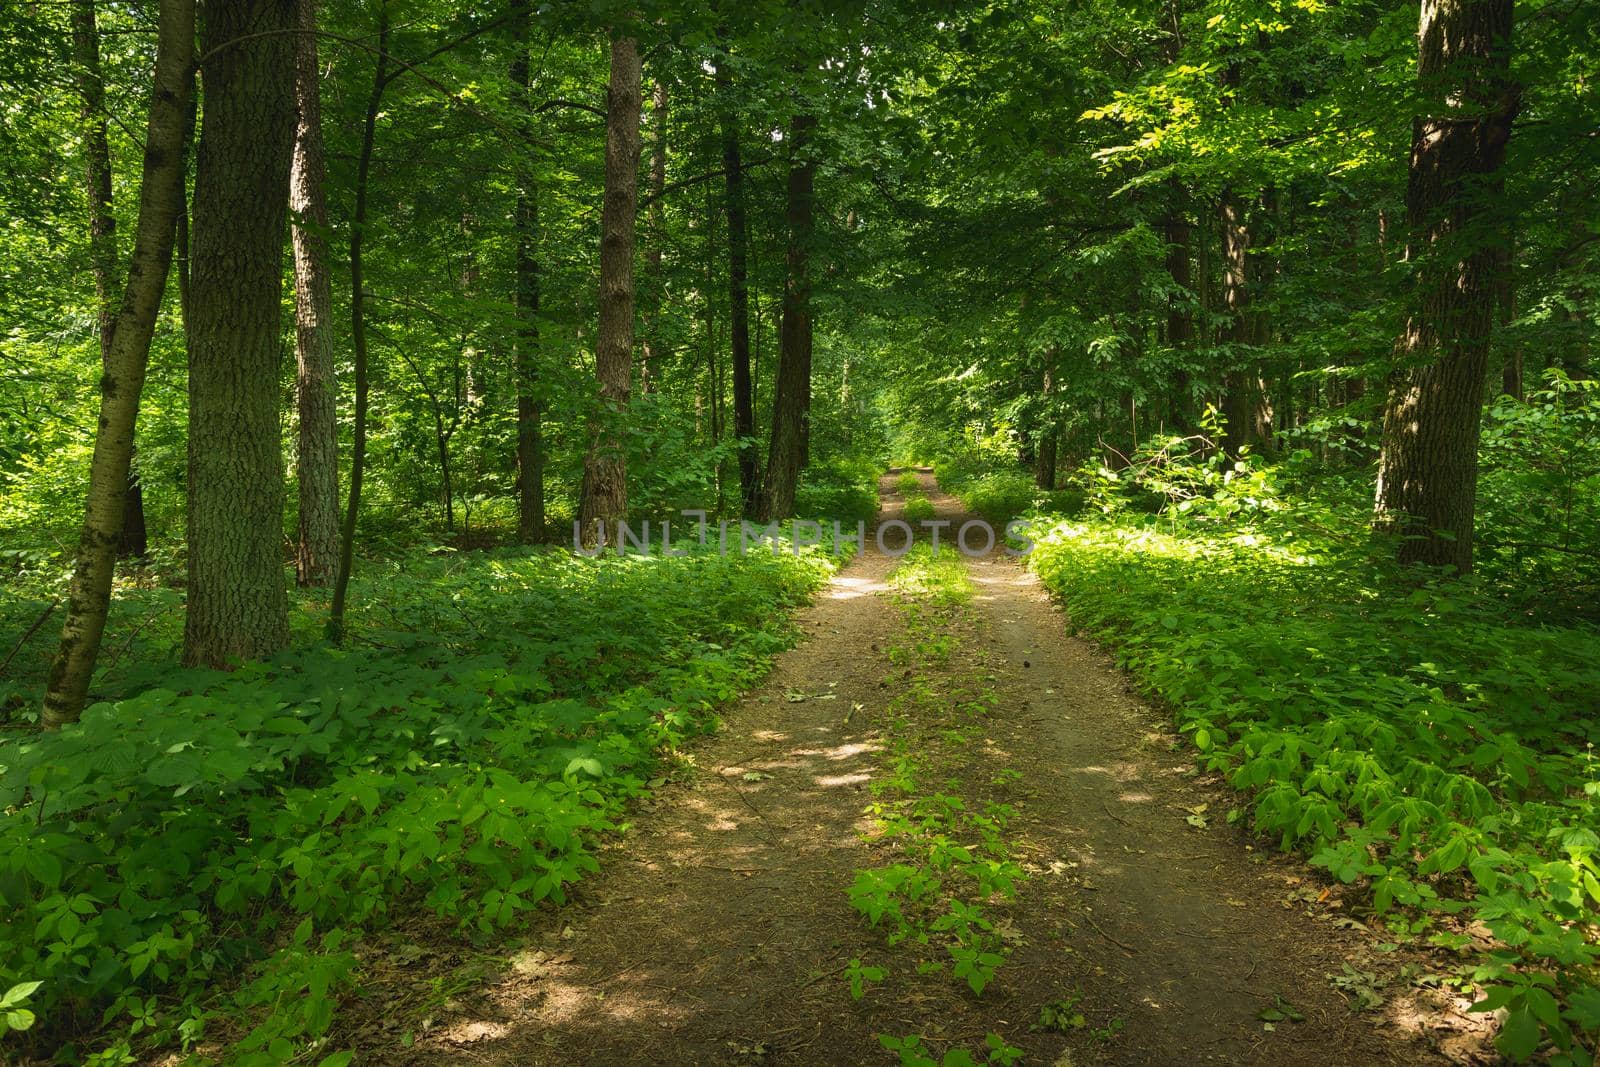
<point>720,929</point>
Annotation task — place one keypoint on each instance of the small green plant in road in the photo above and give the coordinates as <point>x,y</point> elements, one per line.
<point>912,1053</point>
<point>918,509</point>
<point>952,859</point>
<point>858,976</point>
<point>1062,1016</point>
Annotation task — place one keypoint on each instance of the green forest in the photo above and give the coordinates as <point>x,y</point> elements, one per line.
<point>942,533</point>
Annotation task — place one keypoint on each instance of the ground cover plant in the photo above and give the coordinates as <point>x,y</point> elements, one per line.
<point>334,335</point>
<point>1423,738</point>
<point>488,723</point>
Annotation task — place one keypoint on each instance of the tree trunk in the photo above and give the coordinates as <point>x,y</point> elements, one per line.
<point>744,411</point>
<point>358,329</point>
<point>605,473</point>
<point>1180,314</point>
<point>530,408</point>
<point>650,348</point>
<point>1244,410</point>
<point>1044,451</point>
<point>160,198</point>
<point>133,541</point>
<point>237,607</point>
<point>792,386</point>
<point>1428,470</point>
<point>317,444</point>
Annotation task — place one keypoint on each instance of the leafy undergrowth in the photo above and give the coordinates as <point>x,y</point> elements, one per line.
<point>952,859</point>
<point>1416,737</point>
<point>999,495</point>
<point>489,720</point>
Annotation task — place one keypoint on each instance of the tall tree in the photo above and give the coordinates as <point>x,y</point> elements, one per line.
<point>792,389</point>
<point>90,81</point>
<point>1246,417</point>
<point>655,237</point>
<point>1428,469</point>
<point>530,411</point>
<point>744,410</point>
<point>605,473</point>
<point>160,200</point>
<point>358,328</point>
<point>237,607</point>
<point>317,443</point>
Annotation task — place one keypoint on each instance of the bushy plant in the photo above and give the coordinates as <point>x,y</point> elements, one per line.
<point>487,724</point>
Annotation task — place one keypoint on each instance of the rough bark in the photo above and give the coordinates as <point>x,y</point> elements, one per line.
<point>605,473</point>
<point>793,384</point>
<point>133,541</point>
<point>358,329</point>
<point>160,199</point>
<point>237,607</point>
<point>744,412</point>
<point>1428,470</point>
<point>317,443</point>
<point>650,346</point>
<point>1245,413</point>
<point>530,409</point>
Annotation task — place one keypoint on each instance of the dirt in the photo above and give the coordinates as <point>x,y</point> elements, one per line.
<point>720,929</point>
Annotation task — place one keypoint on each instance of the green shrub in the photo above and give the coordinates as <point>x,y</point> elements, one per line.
<point>845,491</point>
<point>1422,740</point>
<point>487,724</point>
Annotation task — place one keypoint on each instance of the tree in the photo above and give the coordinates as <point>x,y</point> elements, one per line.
<point>744,412</point>
<point>237,607</point>
<point>650,347</point>
<point>530,412</point>
<point>86,71</point>
<point>358,328</point>
<point>792,389</point>
<point>1427,471</point>
<point>317,443</point>
<point>160,199</point>
<point>605,474</point>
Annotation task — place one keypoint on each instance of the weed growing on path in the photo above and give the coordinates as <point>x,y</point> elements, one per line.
<point>953,860</point>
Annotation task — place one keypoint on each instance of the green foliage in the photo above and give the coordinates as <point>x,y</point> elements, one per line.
<point>1447,767</point>
<point>913,1053</point>
<point>952,860</point>
<point>843,491</point>
<point>462,759</point>
<point>858,976</point>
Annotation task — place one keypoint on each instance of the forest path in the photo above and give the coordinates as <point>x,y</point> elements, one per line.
<point>720,930</point>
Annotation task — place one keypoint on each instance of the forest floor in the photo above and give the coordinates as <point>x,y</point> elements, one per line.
<point>1147,930</point>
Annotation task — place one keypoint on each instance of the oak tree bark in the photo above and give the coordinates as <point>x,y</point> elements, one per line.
<point>160,199</point>
<point>237,606</point>
<point>317,442</point>
<point>1428,469</point>
<point>655,238</point>
<point>605,474</point>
